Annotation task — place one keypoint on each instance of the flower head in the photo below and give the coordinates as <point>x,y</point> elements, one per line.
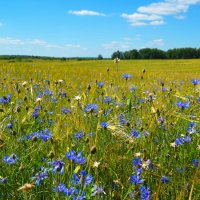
<point>10,159</point>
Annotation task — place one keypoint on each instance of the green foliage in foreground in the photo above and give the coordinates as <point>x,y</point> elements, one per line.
<point>133,127</point>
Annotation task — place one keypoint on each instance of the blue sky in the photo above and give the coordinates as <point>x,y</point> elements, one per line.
<point>72,28</point>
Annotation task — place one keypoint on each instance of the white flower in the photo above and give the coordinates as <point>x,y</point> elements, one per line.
<point>96,164</point>
<point>173,144</point>
<point>77,98</point>
<point>38,99</point>
<point>60,81</point>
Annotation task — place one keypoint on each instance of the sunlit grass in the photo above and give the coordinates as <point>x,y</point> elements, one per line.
<point>56,107</point>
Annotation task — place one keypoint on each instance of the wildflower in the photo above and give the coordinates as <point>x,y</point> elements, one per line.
<point>40,176</point>
<point>195,81</point>
<point>65,111</point>
<point>104,125</point>
<point>136,179</point>
<point>97,190</point>
<point>9,126</point>
<point>91,108</point>
<point>71,155</point>
<point>5,99</point>
<point>3,180</point>
<point>135,133</point>
<point>116,60</point>
<point>39,99</point>
<point>96,164</point>
<point>10,159</point>
<point>77,158</point>
<point>183,105</point>
<point>78,135</point>
<point>122,120</point>
<point>77,98</point>
<point>165,179</point>
<point>26,187</point>
<point>137,162</point>
<point>145,193</point>
<point>60,81</point>
<point>58,166</point>
<point>126,76</point>
<point>82,178</point>
<point>107,99</point>
<point>196,162</point>
<point>100,84</point>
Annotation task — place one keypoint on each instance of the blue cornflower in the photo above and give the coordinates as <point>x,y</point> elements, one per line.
<point>195,81</point>
<point>100,84</point>
<point>137,162</point>
<point>183,105</point>
<point>136,179</point>
<point>198,100</point>
<point>97,190</point>
<point>58,166</point>
<point>145,193</point>
<point>9,126</point>
<point>135,133</point>
<point>196,162</point>
<point>71,155</point>
<point>45,135</point>
<point>39,177</point>
<point>66,111</point>
<point>79,135</point>
<point>91,108</point>
<point>179,141</point>
<point>35,114</point>
<point>104,125</point>
<point>10,159</point>
<point>82,178</point>
<point>126,76</point>
<point>48,92</point>
<point>165,179</point>
<point>79,159</point>
<point>187,138</point>
<point>122,120</point>
<point>61,188</point>
<point>107,99</point>
<point>5,99</point>
<point>3,180</point>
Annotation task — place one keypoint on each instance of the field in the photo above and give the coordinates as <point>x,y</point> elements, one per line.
<point>100,130</point>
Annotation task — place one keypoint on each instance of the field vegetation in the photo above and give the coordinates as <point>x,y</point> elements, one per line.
<point>100,129</point>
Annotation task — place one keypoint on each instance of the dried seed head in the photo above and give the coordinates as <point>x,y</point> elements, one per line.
<point>26,187</point>
<point>93,150</point>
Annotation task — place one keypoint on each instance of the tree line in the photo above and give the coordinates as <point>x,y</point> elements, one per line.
<point>154,53</point>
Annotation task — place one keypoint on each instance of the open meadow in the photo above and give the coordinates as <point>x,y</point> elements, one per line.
<point>96,129</point>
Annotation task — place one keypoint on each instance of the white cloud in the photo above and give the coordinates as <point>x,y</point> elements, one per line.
<point>11,41</point>
<point>140,19</point>
<point>115,45</point>
<point>153,14</point>
<point>73,45</point>
<point>86,13</point>
<point>38,42</point>
<point>156,43</point>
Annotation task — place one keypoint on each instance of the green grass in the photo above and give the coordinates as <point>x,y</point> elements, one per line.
<point>109,152</point>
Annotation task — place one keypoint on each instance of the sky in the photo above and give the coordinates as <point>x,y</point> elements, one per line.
<point>87,28</point>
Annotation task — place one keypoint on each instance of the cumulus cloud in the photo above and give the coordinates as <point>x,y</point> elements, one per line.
<point>86,13</point>
<point>154,13</point>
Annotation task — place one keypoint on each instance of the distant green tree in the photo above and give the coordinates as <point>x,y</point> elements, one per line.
<point>100,57</point>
